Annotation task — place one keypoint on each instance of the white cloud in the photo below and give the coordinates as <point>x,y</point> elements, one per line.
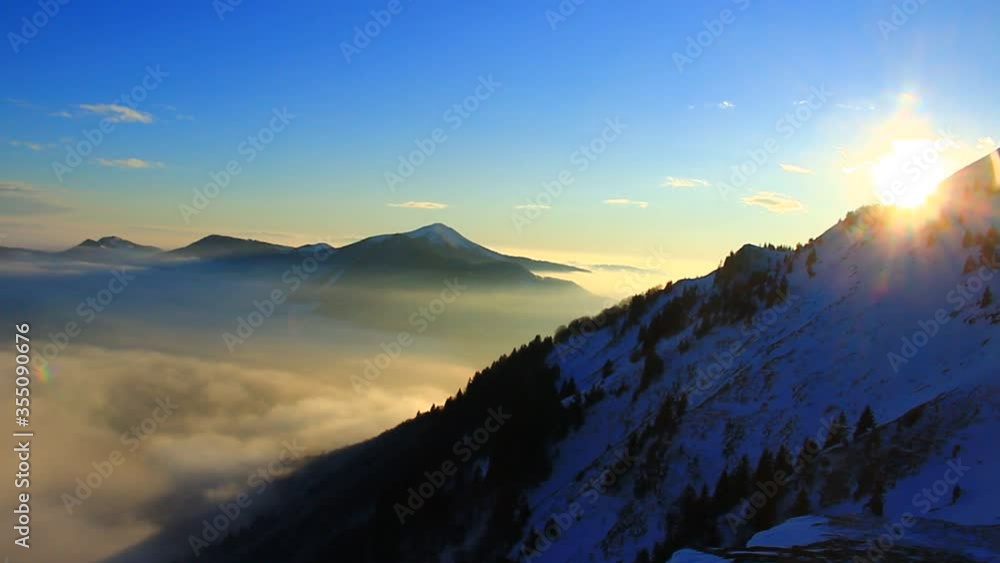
<point>726,105</point>
<point>774,202</point>
<point>419,205</point>
<point>626,201</point>
<point>130,163</point>
<point>794,168</point>
<point>533,206</point>
<point>61,114</point>
<point>118,114</point>
<point>28,145</point>
<point>677,182</point>
<point>856,107</point>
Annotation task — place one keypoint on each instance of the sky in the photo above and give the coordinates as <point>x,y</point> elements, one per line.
<point>589,132</point>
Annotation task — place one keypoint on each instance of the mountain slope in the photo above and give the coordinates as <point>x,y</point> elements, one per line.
<point>221,246</point>
<point>678,410</point>
<point>448,241</point>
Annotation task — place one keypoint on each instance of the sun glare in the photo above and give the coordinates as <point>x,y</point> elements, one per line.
<point>909,174</point>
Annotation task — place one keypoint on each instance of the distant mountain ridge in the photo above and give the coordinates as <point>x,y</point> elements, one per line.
<point>434,243</point>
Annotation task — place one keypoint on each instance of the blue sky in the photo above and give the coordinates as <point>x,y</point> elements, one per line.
<point>657,183</point>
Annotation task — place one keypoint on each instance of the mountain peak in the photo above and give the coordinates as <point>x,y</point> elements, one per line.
<point>440,233</point>
<point>113,243</point>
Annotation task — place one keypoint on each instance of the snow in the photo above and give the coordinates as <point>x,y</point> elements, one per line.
<point>828,350</point>
<point>692,556</point>
<point>804,530</point>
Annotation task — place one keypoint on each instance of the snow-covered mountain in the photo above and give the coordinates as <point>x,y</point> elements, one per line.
<point>833,402</point>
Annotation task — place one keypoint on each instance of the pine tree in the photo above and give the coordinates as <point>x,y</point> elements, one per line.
<point>810,260</point>
<point>968,239</point>
<point>970,265</point>
<point>866,422</point>
<point>838,431</point>
<point>987,298</point>
<point>877,503</point>
<point>800,507</point>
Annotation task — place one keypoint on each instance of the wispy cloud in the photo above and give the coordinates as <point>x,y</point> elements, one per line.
<point>726,105</point>
<point>533,206</point>
<point>626,201</point>
<point>774,202</point>
<point>676,182</point>
<point>118,114</point>
<point>184,117</point>
<point>19,198</point>
<point>419,205</point>
<point>61,114</point>
<point>795,168</point>
<point>22,103</point>
<point>29,145</point>
<point>130,163</point>
<point>856,107</point>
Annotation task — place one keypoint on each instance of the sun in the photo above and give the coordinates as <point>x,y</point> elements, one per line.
<point>910,173</point>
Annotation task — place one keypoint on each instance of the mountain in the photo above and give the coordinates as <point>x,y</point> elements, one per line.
<point>833,402</point>
<point>221,246</point>
<point>448,242</point>
<point>91,247</point>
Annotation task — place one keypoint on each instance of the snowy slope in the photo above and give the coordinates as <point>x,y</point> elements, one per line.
<point>824,350</point>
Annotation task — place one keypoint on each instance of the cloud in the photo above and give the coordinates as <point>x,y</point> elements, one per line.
<point>18,198</point>
<point>61,114</point>
<point>118,114</point>
<point>856,107</point>
<point>626,201</point>
<point>794,168</point>
<point>419,205</point>
<point>676,182</point>
<point>184,117</point>
<point>774,202</point>
<point>726,105</point>
<point>533,206</point>
<point>22,103</point>
<point>130,163</point>
<point>28,145</point>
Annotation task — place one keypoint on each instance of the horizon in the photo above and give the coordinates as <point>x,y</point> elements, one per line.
<point>526,282</point>
<point>688,114</point>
